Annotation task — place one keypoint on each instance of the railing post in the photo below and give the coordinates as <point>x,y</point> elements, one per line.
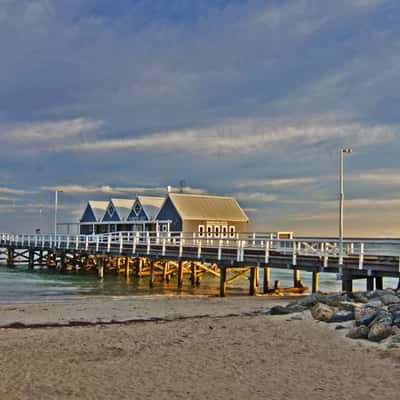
<point>77,242</point>
<point>163,247</point>
<point>361,259</point>
<point>238,251</point>
<point>97,243</point>
<point>181,245</point>
<point>109,244</point>
<point>87,243</point>
<point>148,243</point>
<point>220,250</point>
<point>199,249</point>
<point>242,250</point>
<point>67,244</point>
<point>294,256</point>
<point>267,245</point>
<point>134,245</point>
<point>121,243</point>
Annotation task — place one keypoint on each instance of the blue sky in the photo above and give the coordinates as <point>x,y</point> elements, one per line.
<point>250,98</point>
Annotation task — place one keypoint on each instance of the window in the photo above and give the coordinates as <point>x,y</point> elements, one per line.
<point>201,230</point>
<point>216,231</point>
<point>224,231</point>
<point>232,231</point>
<point>209,231</point>
<point>137,208</point>
<point>111,210</point>
<point>164,227</point>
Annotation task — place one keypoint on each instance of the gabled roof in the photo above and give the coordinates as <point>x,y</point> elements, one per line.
<point>207,207</point>
<point>123,207</point>
<point>98,208</point>
<point>151,205</point>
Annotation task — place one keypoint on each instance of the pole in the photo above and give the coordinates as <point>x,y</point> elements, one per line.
<point>55,212</point>
<point>341,203</point>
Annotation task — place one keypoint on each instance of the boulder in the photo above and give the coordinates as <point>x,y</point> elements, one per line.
<point>366,319</point>
<point>396,318</point>
<point>358,332</point>
<point>348,306</point>
<point>379,331</point>
<point>389,298</point>
<point>279,310</point>
<point>375,303</point>
<point>296,308</point>
<point>383,317</point>
<point>322,312</point>
<point>312,300</point>
<point>342,316</point>
<point>393,342</point>
<point>360,297</point>
<point>394,307</point>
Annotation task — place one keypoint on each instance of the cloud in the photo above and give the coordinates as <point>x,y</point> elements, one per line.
<point>252,183</point>
<point>47,133</point>
<point>257,197</point>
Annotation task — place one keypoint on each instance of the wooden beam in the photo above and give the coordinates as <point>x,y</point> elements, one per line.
<point>180,274</point>
<point>379,283</point>
<point>296,278</point>
<point>151,275</point>
<point>370,284</point>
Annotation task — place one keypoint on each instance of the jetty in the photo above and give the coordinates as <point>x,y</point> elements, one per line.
<point>170,255</point>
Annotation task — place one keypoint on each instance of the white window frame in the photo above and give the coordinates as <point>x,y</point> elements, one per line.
<point>232,231</point>
<point>201,230</point>
<point>224,234</point>
<point>209,231</point>
<point>217,230</point>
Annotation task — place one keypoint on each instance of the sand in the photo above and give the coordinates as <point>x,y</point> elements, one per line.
<point>189,348</point>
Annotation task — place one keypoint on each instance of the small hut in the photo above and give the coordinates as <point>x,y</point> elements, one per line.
<point>92,216</point>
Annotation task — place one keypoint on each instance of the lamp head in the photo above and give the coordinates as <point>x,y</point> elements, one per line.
<point>347,150</point>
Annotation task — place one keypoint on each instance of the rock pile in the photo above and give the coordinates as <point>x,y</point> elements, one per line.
<point>375,315</point>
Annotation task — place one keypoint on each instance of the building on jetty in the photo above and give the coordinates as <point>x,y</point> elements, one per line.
<point>118,215</point>
<point>204,214</point>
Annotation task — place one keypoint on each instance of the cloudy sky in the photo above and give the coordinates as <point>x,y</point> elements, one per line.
<point>252,98</point>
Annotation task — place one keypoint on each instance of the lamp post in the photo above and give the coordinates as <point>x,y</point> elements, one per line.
<point>56,210</point>
<point>343,150</point>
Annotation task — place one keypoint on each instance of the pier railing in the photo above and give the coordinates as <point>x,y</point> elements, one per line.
<point>240,243</point>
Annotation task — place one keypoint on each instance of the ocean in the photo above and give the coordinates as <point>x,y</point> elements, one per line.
<point>21,285</point>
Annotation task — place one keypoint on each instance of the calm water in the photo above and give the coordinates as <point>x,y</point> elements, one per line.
<point>20,285</point>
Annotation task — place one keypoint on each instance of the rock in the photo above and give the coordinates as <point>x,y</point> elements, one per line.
<point>394,307</point>
<point>296,308</point>
<point>358,332</point>
<point>389,298</point>
<point>376,303</point>
<point>383,317</point>
<point>379,331</point>
<point>334,300</point>
<point>342,316</point>
<point>279,310</point>
<point>360,297</point>
<point>395,330</point>
<point>340,327</point>
<point>396,318</point>
<point>322,312</point>
<point>366,319</point>
<point>348,306</point>
<point>311,300</point>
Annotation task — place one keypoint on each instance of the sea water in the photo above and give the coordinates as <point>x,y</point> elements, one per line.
<point>19,284</point>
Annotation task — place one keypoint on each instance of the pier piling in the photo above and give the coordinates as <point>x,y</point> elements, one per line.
<point>267,279</point>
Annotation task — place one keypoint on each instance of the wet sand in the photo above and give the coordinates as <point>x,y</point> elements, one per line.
<point>184,348</point>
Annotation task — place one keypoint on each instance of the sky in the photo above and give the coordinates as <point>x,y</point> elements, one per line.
<point>254,99</point>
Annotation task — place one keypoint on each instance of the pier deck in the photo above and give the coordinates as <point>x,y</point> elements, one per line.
<point>175,254</point>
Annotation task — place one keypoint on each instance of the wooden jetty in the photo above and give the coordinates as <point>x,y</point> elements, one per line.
<point>173,255</point>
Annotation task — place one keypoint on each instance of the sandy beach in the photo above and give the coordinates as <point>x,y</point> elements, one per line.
<point>184,348</point>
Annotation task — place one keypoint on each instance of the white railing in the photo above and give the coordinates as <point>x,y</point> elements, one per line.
<point>240,242</point>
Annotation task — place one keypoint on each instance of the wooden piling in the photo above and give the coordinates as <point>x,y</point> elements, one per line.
<point>151,273</point>
<point>222,282</point>
<point>100,268</point>
<point>296,278</point>
<point>267,279</point>
<point>379,283</point>
<point>253,281</point>
<point>127,272</point>
<point>347,285</point>
<point>31,261</point>
<point>315,282</point>
<point>370,284</point>
<point>193,267</point>
<point>180,274</point>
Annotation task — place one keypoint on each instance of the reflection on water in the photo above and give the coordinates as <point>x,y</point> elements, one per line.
<point>19,284</point>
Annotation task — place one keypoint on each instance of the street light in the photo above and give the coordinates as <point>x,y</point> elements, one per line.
<point>55,210</point>
<point>343,150</point>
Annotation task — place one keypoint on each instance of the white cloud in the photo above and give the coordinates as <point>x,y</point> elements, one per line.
<point>47,133</point>
<point>256,197</point>
<point>252,183</point>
